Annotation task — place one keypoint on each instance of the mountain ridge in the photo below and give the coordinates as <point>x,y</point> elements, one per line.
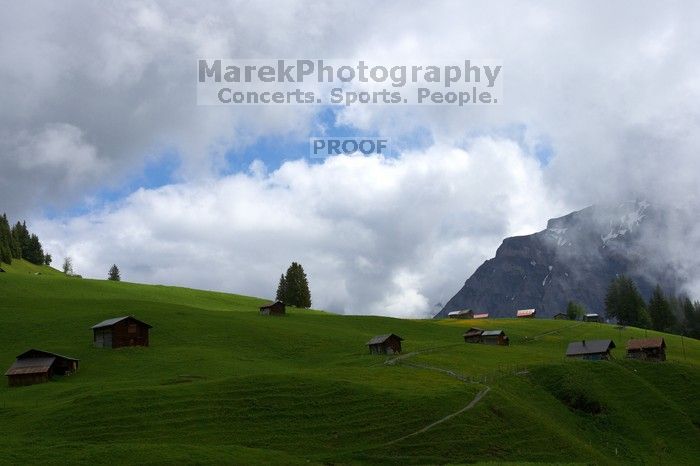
<point>574,259</point>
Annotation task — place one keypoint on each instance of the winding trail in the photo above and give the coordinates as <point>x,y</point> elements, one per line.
<point>455,375</point>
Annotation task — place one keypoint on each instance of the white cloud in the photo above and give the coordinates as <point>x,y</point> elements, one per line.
<point>376,236</point>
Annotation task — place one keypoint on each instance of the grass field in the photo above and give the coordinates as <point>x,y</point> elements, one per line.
<point>222,385</point>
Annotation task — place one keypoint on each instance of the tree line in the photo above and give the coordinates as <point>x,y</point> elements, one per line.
<point>17,242</point>
<point>664,312</point>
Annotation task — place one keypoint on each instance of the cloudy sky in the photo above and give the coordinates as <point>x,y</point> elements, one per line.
<point>106,154</point>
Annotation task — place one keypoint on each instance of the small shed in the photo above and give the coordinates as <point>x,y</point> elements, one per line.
<point>593,350</point>
<point>119,332</point>
<point>647,349</point>
<point>560,316</point>
<point>592,317</point>
<point>464,314</point>
<point>526,314</point>
<point>276,308</point>
<point>37,366</point>
<point>481,316</point>
<point>385,344</point>
<point>473,335</point>
<point>494,337</point>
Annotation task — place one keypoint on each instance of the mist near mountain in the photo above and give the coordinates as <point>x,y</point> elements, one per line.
<point>577,255</point>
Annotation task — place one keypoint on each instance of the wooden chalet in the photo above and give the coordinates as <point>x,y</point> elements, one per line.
<point>37,366</point>
<point>592,318</point>
<point>494,337</point>
<point>385,344</point>
<point>647,349</point>
<point>464,314</point>
<point>276,308</point>
<point>119,332</point>
<point>560,316</point>
<point>592,350</point>
<point>526,314</point>
<point>473,335</point>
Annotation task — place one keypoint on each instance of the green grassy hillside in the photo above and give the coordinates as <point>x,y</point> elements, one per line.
<point>222,385</point>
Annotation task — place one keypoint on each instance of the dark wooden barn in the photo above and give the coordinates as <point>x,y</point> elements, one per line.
<point>647,349</point>
<point>36,366</point>
<point>473,335</point>
<point>464,314</point>
<point>276,308</point>
<point>495,337</point>
<point>120,332</point>
<point>385,344</point>
<point>592,350</point>
<point>560,316</point>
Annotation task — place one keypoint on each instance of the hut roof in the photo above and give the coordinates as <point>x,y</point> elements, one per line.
<point>473,332</point>
<point>644,343</point>
<point>592,314</point>
<point>31,366</point>
<point>525,313</point>
<point>382,338</point>
<point>492,333</point>
<point>110,322</point>
<point>560,314</point>
<point>460,313</point>
<point>30,354</point>
<point>577,348</point>
<point>481,316</point>
<point>270,304</point>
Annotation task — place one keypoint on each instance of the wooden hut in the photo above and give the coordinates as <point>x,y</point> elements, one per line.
<point>385,344</point>
<point>464,314</point>
<point>276,308</point>
<point>120,332</point>
<point>560,316</point>
<point>473,335</point>
<point>590,349</point>
<point>647,349</point>
<point>592,317</point>
<point>526,314</point>
<point>494,337</point>
<point>36,366</point>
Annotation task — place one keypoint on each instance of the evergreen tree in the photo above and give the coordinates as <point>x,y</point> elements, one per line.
<point>574,310</point>
<point>297,287</point>
<point>281,289</point>
<point>624,303</point>
<point>113,274</point>
<point>660,311</point>
<point>691,314</point>
<point>21,236</point>
<point>34,252</point>
<point>6,241</point>
<point>47,259</point>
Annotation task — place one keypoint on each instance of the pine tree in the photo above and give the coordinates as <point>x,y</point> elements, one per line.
<point>6,242</point>
<point>114,273</point>
<point>34,252</point>
<point>691,313</point>
<point>297,287</point>
<point>660,311</point>
<point>47,259</point>
<point>281,290</point>
<point>624,303</point>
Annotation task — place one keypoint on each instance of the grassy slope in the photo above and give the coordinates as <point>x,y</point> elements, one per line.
<point>221,384</point>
